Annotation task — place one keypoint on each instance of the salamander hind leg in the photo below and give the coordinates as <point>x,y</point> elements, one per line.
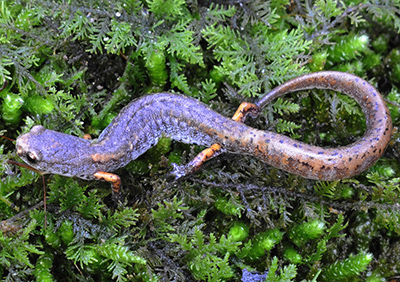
<point>183,170</point>
<point>242,112</point>
<point>246,109</point>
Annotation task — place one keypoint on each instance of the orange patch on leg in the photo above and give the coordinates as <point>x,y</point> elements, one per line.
<point>244,109</point>
<point>114,179</point>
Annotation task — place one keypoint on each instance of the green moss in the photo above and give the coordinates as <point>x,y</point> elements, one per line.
<point>381,43</point>
<point>11,108</point>
<point>347,192</point>
<point>348,48</point>
<point>393,60</point>
<point>52,238</point>
<point>371,60</point>
<point>155,64</point>
<point>292,255</point>
<point>349,267</point>
<point>43,267</point>
<point>229,206</point>
<point>66,233</point>
<point>318,61</point>
<point>394,96</point>
<point>304,232</point>
<point>38,105</point>
<point>119,253</point>
<point>207,259</point>
<point>261,244</point>
<point>238,232</point>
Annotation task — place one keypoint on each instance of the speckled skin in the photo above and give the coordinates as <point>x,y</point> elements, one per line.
<point>142,122</point>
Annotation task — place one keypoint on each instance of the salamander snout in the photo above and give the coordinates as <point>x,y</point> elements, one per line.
<point>50,151</point>
<point>24,147</point>
<point>30,156</point>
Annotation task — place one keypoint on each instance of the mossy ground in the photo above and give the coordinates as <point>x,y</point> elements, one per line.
<point>71,66</point>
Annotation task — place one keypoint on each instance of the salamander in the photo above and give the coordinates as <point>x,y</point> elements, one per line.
<point>142,122</point>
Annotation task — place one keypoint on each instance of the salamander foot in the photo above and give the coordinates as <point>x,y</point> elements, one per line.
<point>179,171</point>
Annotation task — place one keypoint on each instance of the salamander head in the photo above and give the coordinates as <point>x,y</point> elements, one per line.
<point>53,152</point>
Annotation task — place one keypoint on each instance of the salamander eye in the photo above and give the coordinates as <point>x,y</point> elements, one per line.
<point>33,157</point>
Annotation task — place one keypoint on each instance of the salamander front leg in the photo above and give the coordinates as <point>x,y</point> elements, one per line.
<point>114,179</point>
<point>179,171</point>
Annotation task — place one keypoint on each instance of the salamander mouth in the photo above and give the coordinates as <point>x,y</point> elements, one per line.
<point>25,166</point>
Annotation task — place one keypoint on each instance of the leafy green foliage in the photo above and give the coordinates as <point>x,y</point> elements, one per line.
<point>348,48</point>
<point>167,211</point>
<point>241,66</point>
<point>302,233</point>
<point>326,188</point>
<point>178,39</point>
<point>207,260</point>
<point>209,91</point>
<point>394,96</point>
<point>17,249</point>
<point>156,66</point>
<point>11,110</point>
<point>120,253</point>
<point>78,26</point>
<point>292,255</point>
<point>322,244</point>
<point>238,232</point>
<point>287,274</point>
<point>120,37</point>
<point>385,11</point>
<point>351,266</point>
<point>42,268</point>
<point>229,206</point>
<point>282,106</point>
<point>318,61</point>
<point>261,244</point>
<point>286,126</point>
<point>8,187</point>
<point>167,9</point>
